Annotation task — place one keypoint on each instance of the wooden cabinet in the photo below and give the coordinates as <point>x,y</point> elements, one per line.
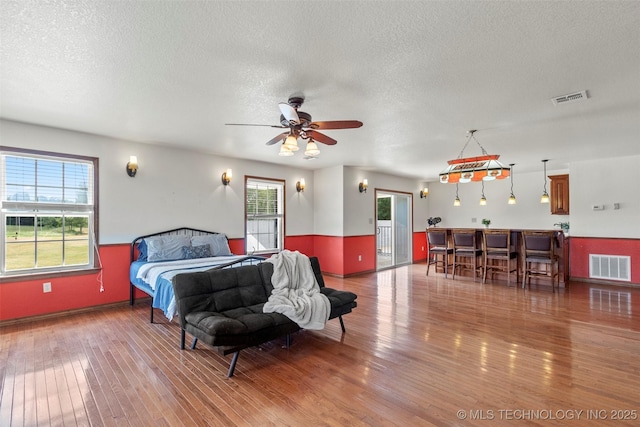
<point>559,194</point>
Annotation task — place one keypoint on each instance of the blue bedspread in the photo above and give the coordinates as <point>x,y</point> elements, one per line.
<point>154,278</point>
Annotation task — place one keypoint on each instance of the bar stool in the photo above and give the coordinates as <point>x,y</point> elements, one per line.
<point>540,258</point>
<point>438,244</point>
<point>499,250</point>
<point>466,250</point>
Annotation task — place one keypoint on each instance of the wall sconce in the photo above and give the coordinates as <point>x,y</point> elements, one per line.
<point>362,187</point>
<point>226,177</point>
<point>132,166</point>
<point>424,192</point>
<point>300,185</point>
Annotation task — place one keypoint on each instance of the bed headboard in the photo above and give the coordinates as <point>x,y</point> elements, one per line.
<point>182,231</point>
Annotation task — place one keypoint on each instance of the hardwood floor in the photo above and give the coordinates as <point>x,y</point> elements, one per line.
<point>418,351</point>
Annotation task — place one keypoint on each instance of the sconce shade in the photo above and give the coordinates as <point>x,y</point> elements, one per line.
<point>362,187</point>
<point>300,185</point>
<point>424,192</point>
<point>132,166</point>
<point>226,176</point>
<point>456,202</point>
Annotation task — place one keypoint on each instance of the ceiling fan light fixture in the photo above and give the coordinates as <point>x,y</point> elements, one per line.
<point>291,143</point>
<point>312,149</point>
<point>285,151</point>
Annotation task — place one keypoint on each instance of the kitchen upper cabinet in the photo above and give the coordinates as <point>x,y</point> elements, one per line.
<point>559,194</point>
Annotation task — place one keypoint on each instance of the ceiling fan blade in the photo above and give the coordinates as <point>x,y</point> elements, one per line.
<point>289,113</point>
<point>278,138</point>
<point>320,137</point>
<point>248,124</point>
<point>336,124</point>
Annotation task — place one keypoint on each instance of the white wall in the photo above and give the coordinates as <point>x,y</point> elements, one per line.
<point>173,187</point>
<point>528,212</point>
<point>605,182</point>
<point>359,212</point>
<point>328,201</point>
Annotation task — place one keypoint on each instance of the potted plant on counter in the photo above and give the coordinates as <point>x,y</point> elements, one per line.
<point>486,222</point>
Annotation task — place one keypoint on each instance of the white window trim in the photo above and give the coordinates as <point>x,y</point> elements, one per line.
<point>280,216</point>
<point>28,208</point>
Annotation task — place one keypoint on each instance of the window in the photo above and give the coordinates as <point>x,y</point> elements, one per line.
<point>264,231</point>
<point>48,211</point>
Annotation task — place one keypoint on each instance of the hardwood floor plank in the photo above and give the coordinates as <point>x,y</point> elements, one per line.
<point>417,350</point>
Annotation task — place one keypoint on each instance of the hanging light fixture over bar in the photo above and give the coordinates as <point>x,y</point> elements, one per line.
<point>512,197</point>
<point>474,169</point>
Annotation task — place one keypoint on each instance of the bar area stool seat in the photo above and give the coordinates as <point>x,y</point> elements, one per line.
<point>500,254</point>
<point>466,251</point>
<point>438,245</point>
<point>540,258</point>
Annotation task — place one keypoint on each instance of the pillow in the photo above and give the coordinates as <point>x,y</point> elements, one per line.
<point>166,248</point>
<point>142,250</point>
<point>218,242</point>
<point>190,252</point>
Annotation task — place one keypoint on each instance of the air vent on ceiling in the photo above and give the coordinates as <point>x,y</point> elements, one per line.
<point>572,97</point>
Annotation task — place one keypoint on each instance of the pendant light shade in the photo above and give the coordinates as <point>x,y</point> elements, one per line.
<point>312,149</point>
<point>545,196</point>
<point>512,198</point>
<point>291,143</point>
<point>456,202</point>
<point>483,200</point>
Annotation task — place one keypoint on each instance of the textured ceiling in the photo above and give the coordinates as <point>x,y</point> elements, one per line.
<point>418,74</point>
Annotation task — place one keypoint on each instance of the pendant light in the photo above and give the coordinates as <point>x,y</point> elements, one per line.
<point>483,200</point>
<point>545,196</point>
<point>456,202</point>
<point>512,198</point>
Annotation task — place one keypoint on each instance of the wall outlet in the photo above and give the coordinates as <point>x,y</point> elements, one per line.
<point>474,220</point>
<point>46,287</point>
<point>359,257</point>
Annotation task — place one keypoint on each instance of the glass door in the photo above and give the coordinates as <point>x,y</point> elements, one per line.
<point>393,229</point>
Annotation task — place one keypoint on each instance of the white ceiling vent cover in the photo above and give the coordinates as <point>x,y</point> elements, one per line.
<point>572,97</point>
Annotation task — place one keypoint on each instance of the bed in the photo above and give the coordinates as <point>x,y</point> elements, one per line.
<point>156,258</point>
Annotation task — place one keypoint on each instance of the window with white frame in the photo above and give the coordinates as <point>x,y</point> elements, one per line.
<point>47,207</point>
<point>264,207</point>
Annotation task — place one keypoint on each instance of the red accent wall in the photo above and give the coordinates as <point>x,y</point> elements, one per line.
<point>236,246</point>
<point>303,244</point>
<point>22,299</point>
<point>581,247</point>
<point>355,247</point>
<point>419,246</point>
<point>329,250</point>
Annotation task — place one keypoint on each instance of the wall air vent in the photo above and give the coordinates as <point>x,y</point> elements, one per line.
<point>572,97</point>
<point>610,267</point>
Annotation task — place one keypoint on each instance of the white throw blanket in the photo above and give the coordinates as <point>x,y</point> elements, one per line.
<point>296,293</point>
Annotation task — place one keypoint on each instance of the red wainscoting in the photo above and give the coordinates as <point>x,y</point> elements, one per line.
<point>329,250</point>
<point>581,247</point>
<point>303,244</point>
<point>359,254</point>
<point>25,298</point>
<point>419,246</point>
<point>236,246</point>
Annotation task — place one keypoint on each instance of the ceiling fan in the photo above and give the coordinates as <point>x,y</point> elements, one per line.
<point>301,126</point>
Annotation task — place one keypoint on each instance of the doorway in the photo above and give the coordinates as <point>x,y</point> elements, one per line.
<point>393,229</point>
